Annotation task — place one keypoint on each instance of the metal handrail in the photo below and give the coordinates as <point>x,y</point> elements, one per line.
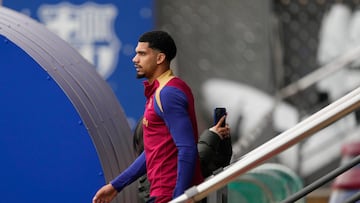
<point>300,85</point>
<point>283,141</point>
<point>322,72</point>
<point>325,179</point>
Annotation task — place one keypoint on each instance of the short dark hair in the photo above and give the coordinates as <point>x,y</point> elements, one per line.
<point>162,41</point>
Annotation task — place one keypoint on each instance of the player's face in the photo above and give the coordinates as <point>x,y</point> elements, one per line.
<point>145,60</point>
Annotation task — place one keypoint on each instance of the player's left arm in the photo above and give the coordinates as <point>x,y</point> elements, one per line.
<point>175,113</point>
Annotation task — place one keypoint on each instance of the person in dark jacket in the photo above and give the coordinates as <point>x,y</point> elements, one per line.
<point>214,146</point>
<point>215,149</point>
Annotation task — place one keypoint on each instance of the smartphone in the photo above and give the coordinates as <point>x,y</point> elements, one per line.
<point>218,113</point>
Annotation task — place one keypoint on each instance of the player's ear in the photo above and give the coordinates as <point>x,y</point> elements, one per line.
<point>160,58</point>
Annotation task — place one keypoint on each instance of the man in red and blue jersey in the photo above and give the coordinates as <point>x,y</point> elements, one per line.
<point>170,158</point>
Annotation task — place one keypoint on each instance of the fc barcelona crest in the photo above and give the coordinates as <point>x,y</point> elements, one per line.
<point>89,28</point>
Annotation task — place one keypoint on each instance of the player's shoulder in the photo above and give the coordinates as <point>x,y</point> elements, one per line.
<point>178,82</point>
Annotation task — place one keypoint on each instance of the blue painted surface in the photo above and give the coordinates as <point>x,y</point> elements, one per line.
<point>46,153</point>
<point>133,18</point>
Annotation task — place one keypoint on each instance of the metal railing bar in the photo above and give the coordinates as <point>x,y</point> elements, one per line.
<point>323,180</point>
<point>303,83</point>
<point>283,141</point>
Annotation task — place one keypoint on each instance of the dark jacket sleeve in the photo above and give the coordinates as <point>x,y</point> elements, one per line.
<point>214,153</point>
<point>224,152</point>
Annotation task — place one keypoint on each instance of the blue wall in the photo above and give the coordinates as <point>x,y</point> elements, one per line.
<point>46,153</point>
<point>63,132</point>
<point>131,20</point>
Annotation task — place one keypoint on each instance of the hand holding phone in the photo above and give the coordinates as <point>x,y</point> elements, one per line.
<point>218,114</point>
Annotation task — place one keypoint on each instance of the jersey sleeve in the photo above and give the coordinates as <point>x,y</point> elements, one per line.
<point>132,173</point>
<point>175,114</point>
